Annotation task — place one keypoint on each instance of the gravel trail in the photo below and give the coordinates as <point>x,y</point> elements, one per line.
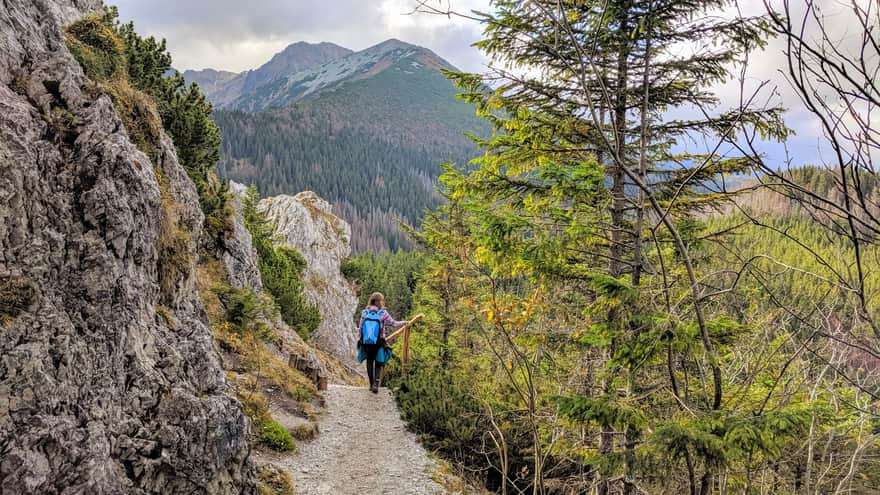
<point>363,449</point>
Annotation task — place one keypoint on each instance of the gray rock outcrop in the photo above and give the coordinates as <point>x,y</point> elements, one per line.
<point>109,381</point>
<point>238,255</point>
<point>305,223</point>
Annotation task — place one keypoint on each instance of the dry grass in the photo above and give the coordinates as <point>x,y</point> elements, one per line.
<point>16,295</point>
<point>454,481</point>
<point>175,259</point>
<point>256,406</point>
<point>273,481</point>
<point>305,431</point>
<point>336,371</point>
<point>139,115</point>
<point>211,273</point>
<point>258,359</point>
<point>166,315</point>
<point>101,53</point>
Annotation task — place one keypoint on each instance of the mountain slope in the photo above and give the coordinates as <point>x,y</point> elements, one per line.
<point>404,58</point>
<point>223,87</point>
<point>367,132</point>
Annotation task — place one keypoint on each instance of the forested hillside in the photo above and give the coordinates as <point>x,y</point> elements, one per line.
<point>364,130</point>
<point>371,146</point>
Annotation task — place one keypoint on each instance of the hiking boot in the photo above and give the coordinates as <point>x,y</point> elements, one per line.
<point>374,388</point>
<point>381,376</point>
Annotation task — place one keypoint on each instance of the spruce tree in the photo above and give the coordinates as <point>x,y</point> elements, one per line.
<point>588,179</point>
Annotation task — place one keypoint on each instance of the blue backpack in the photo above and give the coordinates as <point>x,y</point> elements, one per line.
<point>372,327</point>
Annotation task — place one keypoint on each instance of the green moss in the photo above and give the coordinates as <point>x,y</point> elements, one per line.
<point>97,47</point>
<point>276,437</point>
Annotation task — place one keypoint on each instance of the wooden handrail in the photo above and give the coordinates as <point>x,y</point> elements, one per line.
<point>404,328</point>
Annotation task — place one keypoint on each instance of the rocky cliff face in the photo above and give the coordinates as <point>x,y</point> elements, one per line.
<point>238,256</point>
<point>305,223</point>
<point>109,382</point>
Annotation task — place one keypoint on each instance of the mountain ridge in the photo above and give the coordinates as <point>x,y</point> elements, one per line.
<point>303,70</point>
<point>222,87</point>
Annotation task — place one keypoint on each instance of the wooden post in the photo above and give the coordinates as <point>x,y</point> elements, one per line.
<point>405,351</point>
<point>405,331</point>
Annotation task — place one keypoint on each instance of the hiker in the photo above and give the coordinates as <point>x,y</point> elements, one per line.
<point>371,344</point>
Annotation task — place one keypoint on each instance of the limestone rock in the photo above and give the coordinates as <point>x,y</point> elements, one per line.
<point>305,223</point>
<point>109,381</point>
<point>239,256</point>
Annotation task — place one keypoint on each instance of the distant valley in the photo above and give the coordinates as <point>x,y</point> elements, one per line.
<point>367,130</point>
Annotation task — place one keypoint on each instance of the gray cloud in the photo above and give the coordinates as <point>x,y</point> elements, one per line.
<point>234,35</point>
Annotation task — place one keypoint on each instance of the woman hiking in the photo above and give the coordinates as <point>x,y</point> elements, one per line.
<point>374,318</point>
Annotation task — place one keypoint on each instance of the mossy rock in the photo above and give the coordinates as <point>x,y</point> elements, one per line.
<point>97,47</point>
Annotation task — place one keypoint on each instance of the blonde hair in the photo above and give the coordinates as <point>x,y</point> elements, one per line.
<point>377,299</point>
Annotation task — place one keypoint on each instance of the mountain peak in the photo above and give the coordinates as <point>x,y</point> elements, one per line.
<point>303,46</point>
<point>395,43</point>
<point>296,57</point>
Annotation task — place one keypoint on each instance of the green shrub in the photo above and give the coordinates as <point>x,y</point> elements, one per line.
<point>435,405</point>
<point>215,201</point>
<point>97,47</point>
<point>247,311</point>
<point>280,269</point>
<point>276,437</point>
<point>240,303</point>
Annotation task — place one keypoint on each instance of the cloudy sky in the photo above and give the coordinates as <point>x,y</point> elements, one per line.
<point>235,35</point>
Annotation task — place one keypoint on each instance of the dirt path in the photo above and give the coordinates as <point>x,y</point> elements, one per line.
<point>363,449</point>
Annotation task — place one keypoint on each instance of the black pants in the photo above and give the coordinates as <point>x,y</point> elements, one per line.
<point>373,367</point>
